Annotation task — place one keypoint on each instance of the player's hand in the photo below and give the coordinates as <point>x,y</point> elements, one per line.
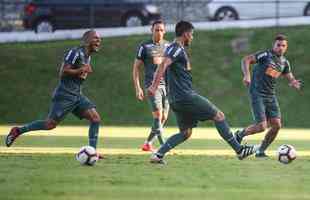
<point>151,91</point>
<point>88,68</point>
<point>139,94</point>
<point>295,84</point>
<point>247,81</point>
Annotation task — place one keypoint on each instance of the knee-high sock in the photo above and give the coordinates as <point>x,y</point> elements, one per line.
<point>33,126</point>
<point>171,142</point>
<point>156,131</point>
<point>269,138</point>
<point>224,130</point>
<point>93,134</point>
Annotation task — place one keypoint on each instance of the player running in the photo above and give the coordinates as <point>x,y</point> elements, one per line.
<point>269,65</point>
<point>150,55</point>
<point>188,106</point>
<point>68,97</point>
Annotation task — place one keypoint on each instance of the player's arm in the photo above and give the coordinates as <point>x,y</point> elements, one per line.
<point>136,78</point>
<point>293,82</point>
<point>68,70</point>
<point>158,75</point>
<point>245,66</point>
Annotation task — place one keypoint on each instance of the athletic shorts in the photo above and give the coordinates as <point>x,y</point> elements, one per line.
<point>196,108</point>
<point>264,107</point>
<point>61,106</point>
<point>160,100</point>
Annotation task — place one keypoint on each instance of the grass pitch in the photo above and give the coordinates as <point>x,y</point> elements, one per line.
<point>41,165</point>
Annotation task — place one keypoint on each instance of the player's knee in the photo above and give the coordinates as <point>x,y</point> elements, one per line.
<point>50,124</point>
<point>164,118</point>
<point>261,126</point>
<point>276,126</point>
<point>96,119</point>
<point>220,116</point>
<point>157,114</point>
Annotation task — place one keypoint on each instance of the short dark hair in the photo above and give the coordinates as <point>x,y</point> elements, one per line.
<point>182,27</point>
<point>159,21</point>
<point>280,37</point>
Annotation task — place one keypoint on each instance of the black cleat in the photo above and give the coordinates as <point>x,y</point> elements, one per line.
<point>246,151</point>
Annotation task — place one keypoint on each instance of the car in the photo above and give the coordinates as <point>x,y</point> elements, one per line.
<point>227,10</point>
<point>50,15</point>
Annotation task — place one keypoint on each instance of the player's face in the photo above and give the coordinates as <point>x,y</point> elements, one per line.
<point>280,47</point>
<point>158,32</point>
<point>188,36</point>
<point>94,42</point>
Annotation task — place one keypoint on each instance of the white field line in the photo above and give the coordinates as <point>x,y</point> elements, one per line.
<point>142,132</point>
<point>61,150</point>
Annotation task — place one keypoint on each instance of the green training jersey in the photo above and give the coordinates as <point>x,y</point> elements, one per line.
<point>152,55</point>
<point>72,85</point>
<point>267,69</point>
<point>179,77</point>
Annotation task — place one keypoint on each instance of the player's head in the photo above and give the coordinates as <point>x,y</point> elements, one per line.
<point>184,30</point>
<point>280,44</point>
<point>91,40</point>
<point>158,30</point>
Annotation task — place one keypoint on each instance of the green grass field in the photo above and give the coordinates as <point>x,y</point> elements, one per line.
<point>41,165</point>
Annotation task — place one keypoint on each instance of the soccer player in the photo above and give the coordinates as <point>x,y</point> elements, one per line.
<point>269,65</point>
<point>150,55</point>
<point>188,106</point>
<point>68,97</point>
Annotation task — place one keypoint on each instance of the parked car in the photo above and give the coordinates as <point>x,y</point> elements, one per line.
<point>253,9</point>
<point>49,15</point>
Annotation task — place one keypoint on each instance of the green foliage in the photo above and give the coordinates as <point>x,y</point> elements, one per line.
<point>28,74</point>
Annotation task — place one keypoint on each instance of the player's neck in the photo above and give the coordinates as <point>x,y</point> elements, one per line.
<point>180,41</point>
<point>157,41</point>
<point>87,51</point>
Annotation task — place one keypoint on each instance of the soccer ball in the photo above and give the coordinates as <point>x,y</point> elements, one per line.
<point>87,155</point>
<point>286,153</point>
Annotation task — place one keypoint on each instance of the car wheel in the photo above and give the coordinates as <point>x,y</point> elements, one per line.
<point>44,26</point>
<point>133,20</point>
<point>226,14</point>
<point>307,10</point>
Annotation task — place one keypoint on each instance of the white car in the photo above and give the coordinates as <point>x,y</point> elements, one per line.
<point>220,10</point>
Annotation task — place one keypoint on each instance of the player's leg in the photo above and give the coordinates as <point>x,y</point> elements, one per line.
<point>274,118</point>
<point>170,143</point>
<point>87,110</point>
<point>259,115</point>
<point>185,123</point>
<point>58,111</point>
<point>156,129</point>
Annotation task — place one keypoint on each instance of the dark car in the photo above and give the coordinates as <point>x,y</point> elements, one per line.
<point>49,15</point>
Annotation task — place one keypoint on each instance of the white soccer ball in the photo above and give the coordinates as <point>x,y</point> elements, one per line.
<point>87,155</point>
<point>286,153</point>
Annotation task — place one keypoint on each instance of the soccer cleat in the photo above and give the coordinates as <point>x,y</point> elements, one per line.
<point>155,159</point>
<point>147,147</point>
<point>237,137</point>
<point>246,151</point>
<point>11,137</point>
<point>261,155</point>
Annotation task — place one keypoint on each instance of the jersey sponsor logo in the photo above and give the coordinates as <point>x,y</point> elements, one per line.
<point>272,71</point>
<point>261,55</point>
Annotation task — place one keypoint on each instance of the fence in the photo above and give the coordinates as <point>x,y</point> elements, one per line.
<point>100,13</point>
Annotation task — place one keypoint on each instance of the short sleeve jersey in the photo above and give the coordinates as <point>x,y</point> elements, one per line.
<point>267,69</point>
<point>152,55</point>
<point>179,77</point>
<point>72,85</point>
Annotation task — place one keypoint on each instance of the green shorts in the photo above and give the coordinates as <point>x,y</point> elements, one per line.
<point>264,107</point>
<point>197,108</point>
<point>62,106</point>
<point>160,100</point>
